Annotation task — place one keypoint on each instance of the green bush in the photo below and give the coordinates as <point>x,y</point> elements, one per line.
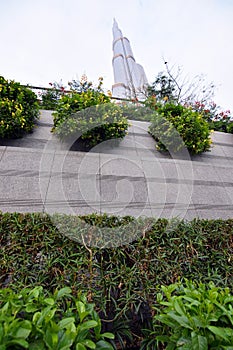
<point>175,127</point>
<point>121,279</point>
<point>74,102</point>
<point>101,121</point>
<point>18,109</point>
<point>193,316</point>
<point>34,319</point>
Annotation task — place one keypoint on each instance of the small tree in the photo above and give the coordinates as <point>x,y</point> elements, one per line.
<point>173,86</point>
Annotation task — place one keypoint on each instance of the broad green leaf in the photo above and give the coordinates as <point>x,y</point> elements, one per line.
<point>66,291</point>
<point>81,309</point>
<point>179,307</point>
<point>222,332</point>
<point>80,346</point>
<point>35,292</point>
<point>51,339</point>
<point>89,343</point>
<point>31,308</point>
<point>49,301</point>
<point>199,342</point>
<point>191,300</point>
<point>102,344</point>
<point>66,322</point>
<point>88,325</point>
<point>66,341</point>
<point>20,342</point>
<point>46,315</point>
<point>184,344</point>
<point>181,320</point>
<point>108,335</point>
<point>166,320</point>
<point>5,307</point>
<point>24,329</point>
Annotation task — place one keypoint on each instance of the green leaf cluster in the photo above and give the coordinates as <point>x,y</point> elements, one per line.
<point>194,316</point>
<point>18,109</point>
<point>75,102</point>
<point>176,127</point>
<point>94,124</point>
<point>33,319</point>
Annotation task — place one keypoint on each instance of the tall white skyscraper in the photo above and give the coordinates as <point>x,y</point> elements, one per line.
<point>129,77</point>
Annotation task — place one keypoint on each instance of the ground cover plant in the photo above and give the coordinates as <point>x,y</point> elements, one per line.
<point>18,109</point>
<point>122,280</point>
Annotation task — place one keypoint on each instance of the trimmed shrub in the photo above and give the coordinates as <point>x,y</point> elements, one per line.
<point>88,116</point>
<point>75,102</point>
<point>175,126</point>
<point>18,109</point>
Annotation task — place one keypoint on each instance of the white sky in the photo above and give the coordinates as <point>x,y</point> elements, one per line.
<point>49,40</point>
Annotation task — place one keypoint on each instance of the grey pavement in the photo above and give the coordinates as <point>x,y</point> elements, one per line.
<point>41,174</point>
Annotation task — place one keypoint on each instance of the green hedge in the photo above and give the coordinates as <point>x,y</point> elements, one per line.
<point>123,281</point>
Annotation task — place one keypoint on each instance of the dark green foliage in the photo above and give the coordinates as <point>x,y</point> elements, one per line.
<point>123,280</point>
<point>163,87</point>
<point>175,127</point>
<point>18,109</point>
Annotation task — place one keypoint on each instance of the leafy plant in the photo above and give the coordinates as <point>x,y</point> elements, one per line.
<point>36,320</point>
<point>171,85</point>
<point>194,316</point>
<point>122,280</point>
<point>176,126</point>
<point>94,124</point>
<point>18,109</point>
<point>83,95</point>
<point>217,119</point>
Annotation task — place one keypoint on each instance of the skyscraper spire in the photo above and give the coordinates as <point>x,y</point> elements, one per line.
<point>129,77</point>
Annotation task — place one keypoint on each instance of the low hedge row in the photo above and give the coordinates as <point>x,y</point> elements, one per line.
<point>118,262</point>
<point>187,316</point>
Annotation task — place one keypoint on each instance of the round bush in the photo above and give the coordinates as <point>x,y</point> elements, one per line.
<point>175,126</point>
<point>94,125</point>
<point>90,116</point>
<point>18,109</point>
<point>74,102</point>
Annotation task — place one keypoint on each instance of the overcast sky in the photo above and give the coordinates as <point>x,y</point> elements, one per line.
<point>49,40</point>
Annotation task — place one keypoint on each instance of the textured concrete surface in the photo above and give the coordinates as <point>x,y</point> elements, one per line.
<point>39,173</point>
